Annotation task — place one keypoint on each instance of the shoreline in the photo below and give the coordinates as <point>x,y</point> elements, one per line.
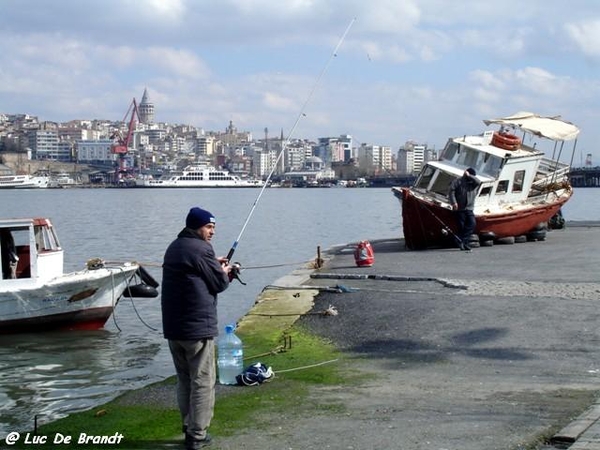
<point>497,346</point>
<point>485,347</point>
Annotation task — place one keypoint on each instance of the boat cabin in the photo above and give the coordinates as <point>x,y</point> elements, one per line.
<point>509,173</point>
<point>29,249</point>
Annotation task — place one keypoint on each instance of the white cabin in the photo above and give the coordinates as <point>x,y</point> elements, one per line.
<point>29,250</point>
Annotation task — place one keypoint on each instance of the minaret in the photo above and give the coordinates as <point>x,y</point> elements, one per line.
<point>284,150</point>
<point>146,109</point>
<point>266,139</point>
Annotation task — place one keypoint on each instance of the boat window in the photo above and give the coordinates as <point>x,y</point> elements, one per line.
<point>485,191</point>
<point>20,236</point>
<point>15,253</point>
<point>502,187</point>
<point>8,254</point>
<point>468,157</point>
<point>425,177</point>
<point>449,151</point>
<point>518,181</point>
<point>46,239</point>
<point>492,166</point>
<point>442,182</point>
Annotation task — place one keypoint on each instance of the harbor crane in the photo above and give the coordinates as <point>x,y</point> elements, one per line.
<point>122,142</point>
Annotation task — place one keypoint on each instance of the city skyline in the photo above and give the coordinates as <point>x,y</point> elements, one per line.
<point>415,70</point>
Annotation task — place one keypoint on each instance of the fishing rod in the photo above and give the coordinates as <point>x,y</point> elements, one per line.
<point>445,228</point>
<point>300,115</point>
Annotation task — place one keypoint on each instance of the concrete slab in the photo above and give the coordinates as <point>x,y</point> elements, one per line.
<point>488,349</point>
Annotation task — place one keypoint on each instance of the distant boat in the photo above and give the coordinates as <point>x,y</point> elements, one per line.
<point>24,181</point>
<point>521,189</point>
<point>35,294</point>
<point>62,180</point>
<point>197,176</point>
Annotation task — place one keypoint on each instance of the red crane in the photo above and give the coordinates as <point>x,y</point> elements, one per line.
<point>121,145</point>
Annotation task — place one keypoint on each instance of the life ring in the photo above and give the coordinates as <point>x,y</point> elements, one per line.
<point>506,141</point>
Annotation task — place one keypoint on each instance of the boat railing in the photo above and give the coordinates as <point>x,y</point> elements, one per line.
<point>550,171</point>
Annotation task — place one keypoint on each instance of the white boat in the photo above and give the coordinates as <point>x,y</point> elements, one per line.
<point>197,176</point>
<point>521,192</point>
<point>36,295</point>
<point>24,181</point>
<point>62,180</point>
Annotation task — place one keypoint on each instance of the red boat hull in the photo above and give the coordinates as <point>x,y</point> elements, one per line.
<point>89,319</point>
<point>427,224</point>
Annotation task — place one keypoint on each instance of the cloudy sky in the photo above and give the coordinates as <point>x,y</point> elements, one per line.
<point>419,70</point>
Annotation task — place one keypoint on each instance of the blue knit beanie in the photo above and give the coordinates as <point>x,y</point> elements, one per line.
<point>198,217</point>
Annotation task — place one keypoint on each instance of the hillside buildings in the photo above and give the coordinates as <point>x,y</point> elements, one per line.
<point>155,146</point>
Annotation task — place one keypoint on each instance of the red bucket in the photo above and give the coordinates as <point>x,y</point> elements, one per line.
<point>363,255</point>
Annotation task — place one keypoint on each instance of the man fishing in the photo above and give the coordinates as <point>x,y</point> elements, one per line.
<point>462,195</point>
<point>192,278</point>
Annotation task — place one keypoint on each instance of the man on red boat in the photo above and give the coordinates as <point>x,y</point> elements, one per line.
<point>462,195</point>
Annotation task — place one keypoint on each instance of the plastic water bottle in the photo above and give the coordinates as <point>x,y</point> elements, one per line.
<point>230,356</point>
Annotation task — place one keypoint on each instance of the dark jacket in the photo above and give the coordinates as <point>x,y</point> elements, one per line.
<point>192,278</point>
<point>463,192</point>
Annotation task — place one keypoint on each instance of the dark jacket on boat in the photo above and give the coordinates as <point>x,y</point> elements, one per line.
<point>192,278</point>
<point>463,192</point>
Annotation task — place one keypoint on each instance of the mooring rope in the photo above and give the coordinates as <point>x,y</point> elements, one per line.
<point>331,311</point>
<point>266,266</point>
<point>307,367</point>
<point>114,305</point>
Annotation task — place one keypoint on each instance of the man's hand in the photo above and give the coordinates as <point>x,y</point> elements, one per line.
<point>224,264</point>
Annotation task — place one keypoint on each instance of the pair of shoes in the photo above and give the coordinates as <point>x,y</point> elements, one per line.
<point>195,444</point>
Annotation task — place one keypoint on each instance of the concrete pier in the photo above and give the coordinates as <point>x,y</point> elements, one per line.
<point>497,348</point>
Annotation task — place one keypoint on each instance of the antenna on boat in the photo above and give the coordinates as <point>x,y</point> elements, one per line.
<point>300,115</point>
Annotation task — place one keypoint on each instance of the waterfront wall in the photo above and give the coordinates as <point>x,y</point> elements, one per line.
<point>19,163</point>
<point>585,177</point>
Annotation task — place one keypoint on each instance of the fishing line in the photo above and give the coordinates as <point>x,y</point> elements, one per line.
<point>300,116</point>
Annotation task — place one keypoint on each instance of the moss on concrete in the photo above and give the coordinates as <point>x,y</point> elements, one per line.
<point>300,360</point>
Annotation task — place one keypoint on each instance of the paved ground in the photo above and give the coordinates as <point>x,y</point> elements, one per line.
<point>462,351</point>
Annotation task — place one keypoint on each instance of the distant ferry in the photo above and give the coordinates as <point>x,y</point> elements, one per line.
<point>62,180</point>
<point>197,176</point>
<point>24,181</point>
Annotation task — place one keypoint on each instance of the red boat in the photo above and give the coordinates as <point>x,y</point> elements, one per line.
<point>521,192</point>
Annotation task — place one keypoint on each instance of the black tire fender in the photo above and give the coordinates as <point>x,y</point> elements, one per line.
<point>146,277</point>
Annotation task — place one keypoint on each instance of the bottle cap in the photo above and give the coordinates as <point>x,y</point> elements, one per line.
<point>229,328</point>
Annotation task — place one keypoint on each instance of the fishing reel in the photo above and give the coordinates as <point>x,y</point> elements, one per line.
<point>234,272</point>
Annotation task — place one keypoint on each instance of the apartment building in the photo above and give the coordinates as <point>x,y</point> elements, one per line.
<point>375,159</point>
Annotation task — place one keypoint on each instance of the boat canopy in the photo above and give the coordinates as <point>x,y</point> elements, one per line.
<point>549,127</point>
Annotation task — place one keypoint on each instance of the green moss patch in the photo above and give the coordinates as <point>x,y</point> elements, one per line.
<point>301,362</point>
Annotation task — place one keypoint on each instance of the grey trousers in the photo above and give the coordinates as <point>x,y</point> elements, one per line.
<point>196,376</point>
